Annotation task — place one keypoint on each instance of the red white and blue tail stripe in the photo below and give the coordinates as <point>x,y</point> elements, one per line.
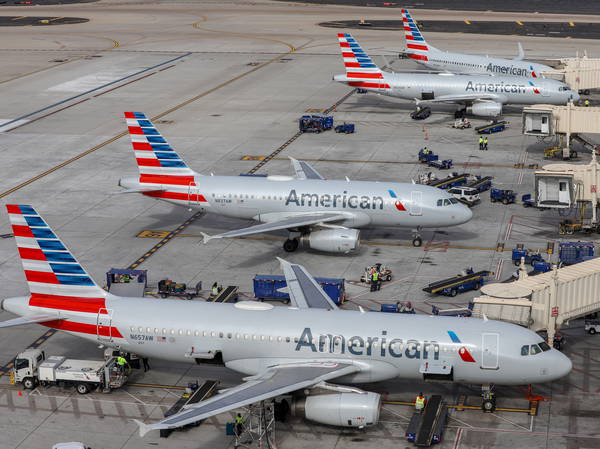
<point>361,71</point>
<point>157,161</point>
<point>416,45</point>
<point>56,280</point>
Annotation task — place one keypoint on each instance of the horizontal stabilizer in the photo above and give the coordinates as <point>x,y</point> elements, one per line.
<point>144,428</point>
<point>31,320</point>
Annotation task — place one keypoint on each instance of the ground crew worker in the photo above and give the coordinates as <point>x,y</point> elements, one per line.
<point>420,403</point>
<point>425,150</point>
<point>121,362</point>
<point>214,290</point>
<point>480,142</point>
<point>239,424</point>
<point>485,143</point>
<point>375,281</point>
<point>586,103</point>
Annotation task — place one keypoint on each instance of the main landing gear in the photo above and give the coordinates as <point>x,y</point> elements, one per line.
<point>291,245</point>
<point>488,404</point>
<point>417,240</point>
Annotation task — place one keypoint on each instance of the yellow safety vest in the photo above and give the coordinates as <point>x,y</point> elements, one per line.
<point>239,420</point>
<point>121,361</point>
<point>375,276</point>
<point>420,402</point>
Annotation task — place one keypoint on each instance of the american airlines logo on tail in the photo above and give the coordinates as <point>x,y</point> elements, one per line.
<point>416,45</point>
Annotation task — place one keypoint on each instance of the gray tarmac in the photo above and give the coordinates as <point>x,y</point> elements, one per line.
<point>227,83</point>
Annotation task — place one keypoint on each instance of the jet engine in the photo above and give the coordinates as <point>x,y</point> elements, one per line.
<point>341,240</point>
<point>340,409</point>
<point>485,109</point>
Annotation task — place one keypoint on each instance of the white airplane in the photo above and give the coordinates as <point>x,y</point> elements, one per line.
<point>476,94</point>
<point>427,55</point>
<point>322,214</point>
<point>282,349</point>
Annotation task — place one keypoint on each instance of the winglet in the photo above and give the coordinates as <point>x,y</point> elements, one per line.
<point>521,54</point>
<point>206,237</point>
<point>144,428</point>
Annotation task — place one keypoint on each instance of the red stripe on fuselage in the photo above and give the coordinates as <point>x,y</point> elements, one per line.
<point>419,57</point>
<point>71,303</point>
<point>365,84</point>
<point>83,328</point>
<point>364,75</point>
<point>167,179</point>
<point>177,196</point>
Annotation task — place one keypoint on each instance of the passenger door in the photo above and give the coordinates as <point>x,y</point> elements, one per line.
<point>489,350</point>
<point>104,325</point>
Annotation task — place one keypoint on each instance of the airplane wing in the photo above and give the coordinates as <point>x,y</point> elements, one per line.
<point>28,320</point>
<point>464,98</point>
<point>305,292</point>
<point>294,221</point>
<point>304,170</point>
<point>275,381</point>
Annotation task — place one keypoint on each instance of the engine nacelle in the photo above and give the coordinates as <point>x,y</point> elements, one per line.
<point>332,240</point>
<point>485,109</point>
<point>340,409</point>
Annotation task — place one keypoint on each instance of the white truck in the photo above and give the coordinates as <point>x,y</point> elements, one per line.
<point>31,368</point>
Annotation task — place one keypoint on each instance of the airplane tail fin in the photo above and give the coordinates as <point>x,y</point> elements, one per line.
<point>156,159</point>
<point>361,71</point>
<point>56,280</point>
<point>416,46</point>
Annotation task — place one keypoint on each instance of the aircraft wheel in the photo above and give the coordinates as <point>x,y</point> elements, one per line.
<point>488,405</point>
<point>290,245</point>
<point>417,241</point>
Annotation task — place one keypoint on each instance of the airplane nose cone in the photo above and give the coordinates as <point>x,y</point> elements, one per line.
<point>575,97</point>
<point>562,365</point>
<point>463,215</point>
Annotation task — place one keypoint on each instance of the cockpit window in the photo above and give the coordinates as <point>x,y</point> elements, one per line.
<point>535,349</point>
<point>446,202</point>
<point>440,202</point>
<point>453,200</point>
<point>525,350</point>
<point>545,346</point>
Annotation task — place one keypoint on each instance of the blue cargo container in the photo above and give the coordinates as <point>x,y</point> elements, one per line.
<point>266,287</point>
<point>570,253</point>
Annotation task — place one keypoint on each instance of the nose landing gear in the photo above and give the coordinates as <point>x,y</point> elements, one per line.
<point>488,404</point>
<point>417,240</point>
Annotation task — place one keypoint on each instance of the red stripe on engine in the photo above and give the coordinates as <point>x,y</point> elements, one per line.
<point>83,328</point>
<point>167,179</point>
<point>177,196</point>
<point>31,254</point>
<point>22,231</point>
<point>71,303</point>
<point>144,146</point>
<point>45,277</point>
<point>418,47</point>
<point>147,162</point>
<point>419,57</point>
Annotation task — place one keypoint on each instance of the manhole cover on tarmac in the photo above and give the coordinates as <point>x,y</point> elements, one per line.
<point>19,21</point>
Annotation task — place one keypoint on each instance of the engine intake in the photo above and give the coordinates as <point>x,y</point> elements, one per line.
<point>340,409</point>
<point>485,109</point>
<point>332,240</point>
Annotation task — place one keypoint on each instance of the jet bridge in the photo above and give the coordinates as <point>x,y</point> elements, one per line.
<point>544,301</point>
<point>580,73</point>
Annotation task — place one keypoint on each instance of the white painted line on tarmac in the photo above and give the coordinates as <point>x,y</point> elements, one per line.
<point>11,124</point>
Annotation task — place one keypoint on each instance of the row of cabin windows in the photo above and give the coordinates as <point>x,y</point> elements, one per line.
<point>460,63</point>
<point>230,335</point>
<point>247,196</point>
